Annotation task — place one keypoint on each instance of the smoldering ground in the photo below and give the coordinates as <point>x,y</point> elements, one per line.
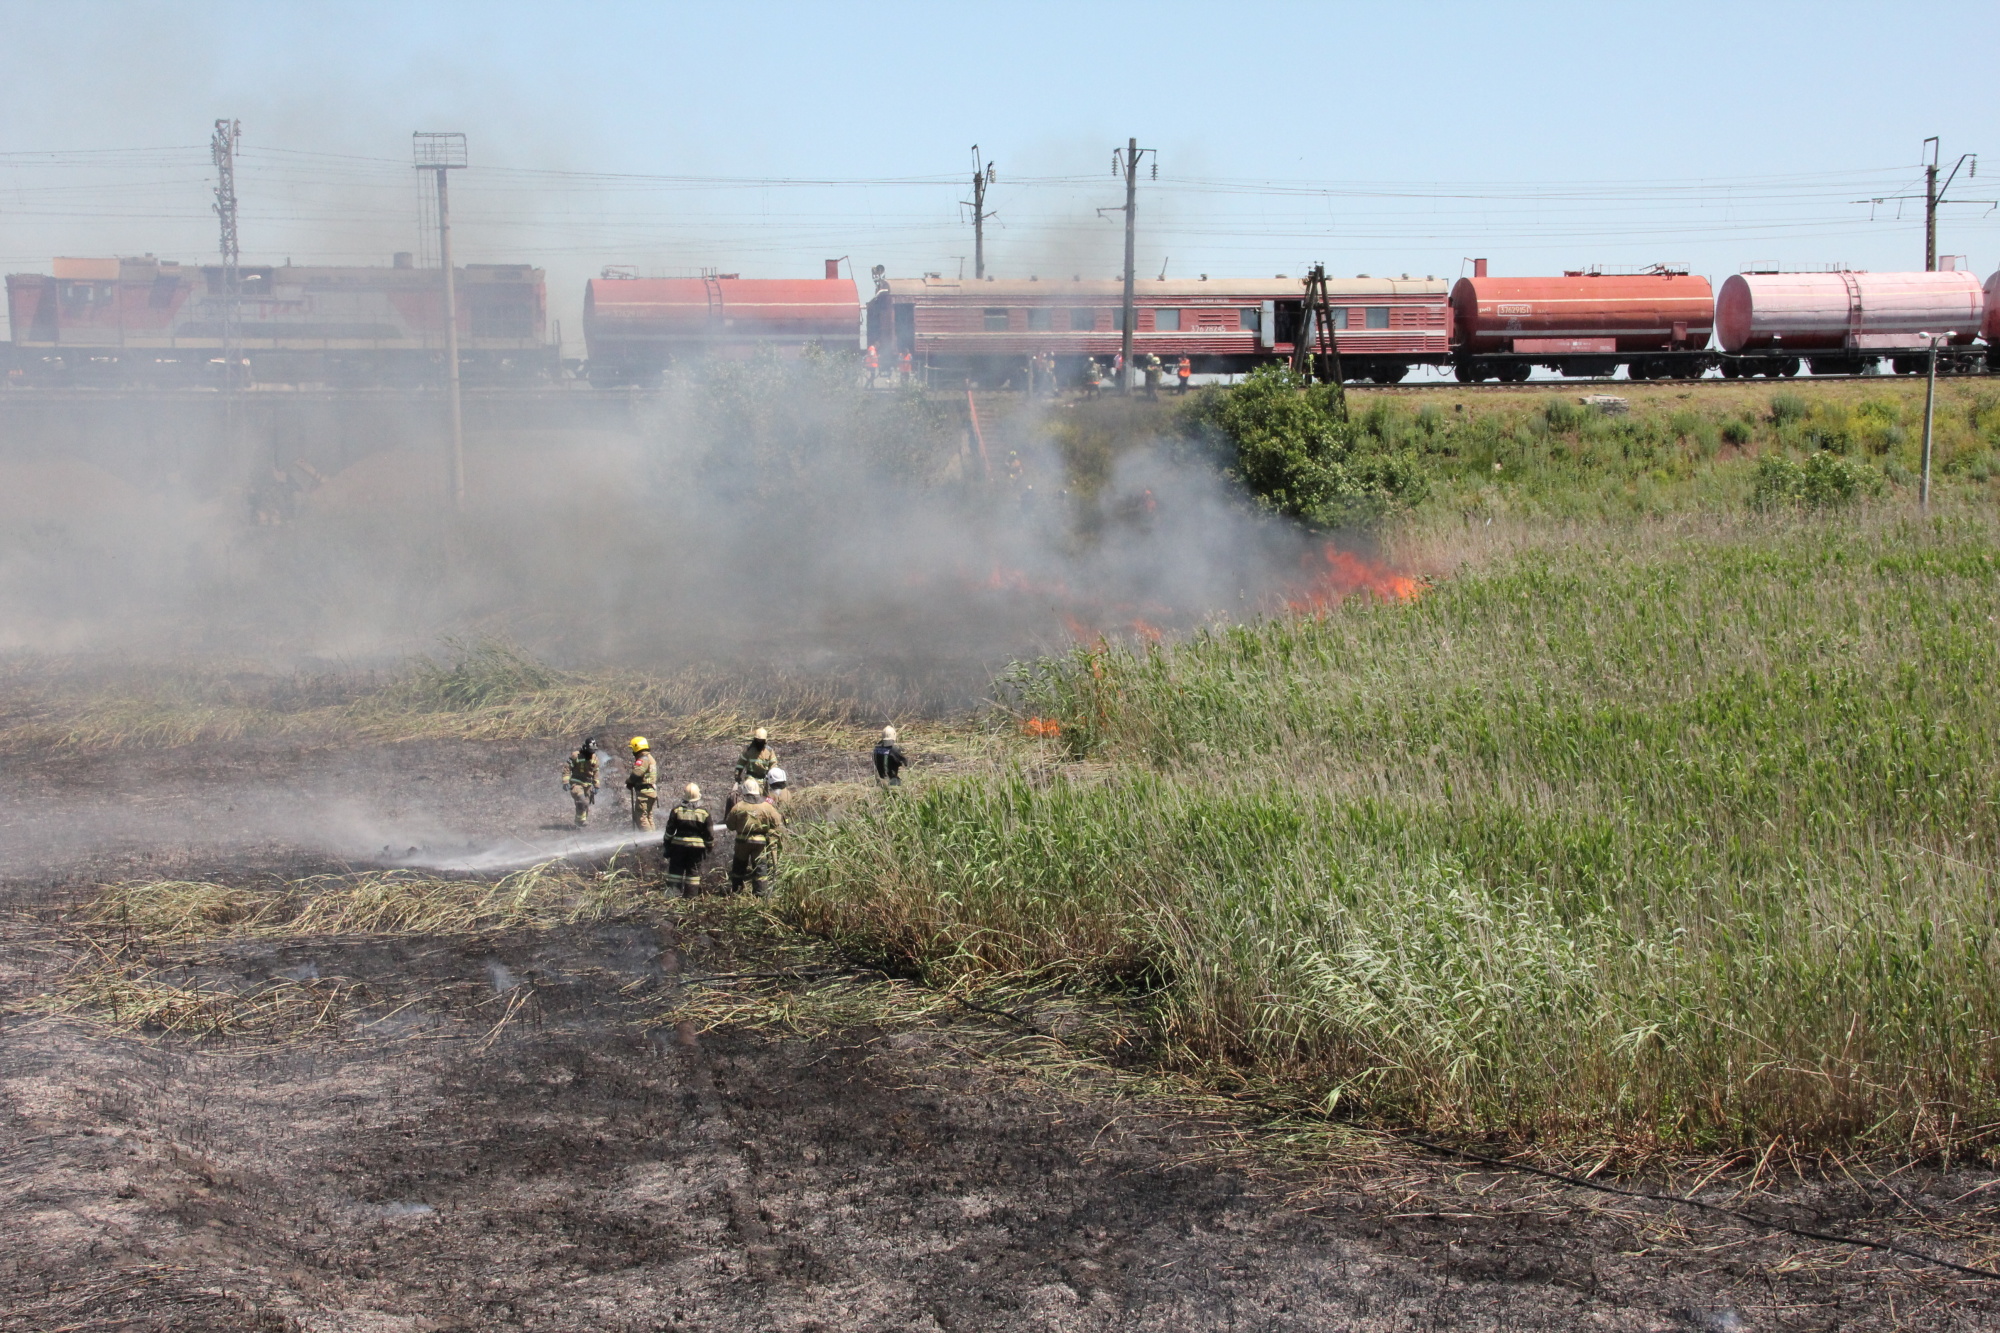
<point>767,519</point>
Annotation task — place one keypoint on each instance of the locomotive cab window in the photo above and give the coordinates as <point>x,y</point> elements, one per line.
<point>1167,321</point>
<point>1038,319</point>
<point>996,320</point>
<point>1250,320</point>
<point>1378,316</point>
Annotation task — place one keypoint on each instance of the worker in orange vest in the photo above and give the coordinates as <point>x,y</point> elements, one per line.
<point>906,367</point>
<point>873,362</point>
<point>1183,373</point>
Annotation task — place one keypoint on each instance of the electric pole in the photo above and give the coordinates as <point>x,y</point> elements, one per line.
<point>982,176</point>
<point>222,148</point>
<point>1127,161</point>
<point>444,153</point>
<point>1934,195</point>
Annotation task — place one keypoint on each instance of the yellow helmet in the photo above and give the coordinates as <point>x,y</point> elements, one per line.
<point>639,743</point>
<point>691,791</point>
<point>761,734</point>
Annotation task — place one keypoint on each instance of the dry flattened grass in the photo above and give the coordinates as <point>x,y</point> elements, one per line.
<point>129,998</point>
<point>389,902</point>
<point>111,982</point>
<point>191,707</point>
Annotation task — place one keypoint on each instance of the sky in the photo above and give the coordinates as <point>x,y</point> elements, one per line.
<point>764,139</point>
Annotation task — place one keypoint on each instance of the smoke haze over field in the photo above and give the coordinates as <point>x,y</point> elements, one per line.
<point>767,518</point>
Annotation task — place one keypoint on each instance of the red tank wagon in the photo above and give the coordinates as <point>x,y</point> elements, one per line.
<point>988,330</point>
<point>633,327</point>
<point>1654,323</point>
<point>1846,322</point>
<point>152,320</point>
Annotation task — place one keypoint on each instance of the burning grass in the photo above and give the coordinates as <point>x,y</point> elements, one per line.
<point>1684,842</point>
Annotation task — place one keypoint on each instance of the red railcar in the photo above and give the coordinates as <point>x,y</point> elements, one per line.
<point>135,320</point>
<point>1655,323</point>
<point>633,327</point>
<point>989,330</point>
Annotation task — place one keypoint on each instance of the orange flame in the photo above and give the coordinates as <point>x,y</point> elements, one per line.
<point>1341,576</point>
<point>1042,728</point>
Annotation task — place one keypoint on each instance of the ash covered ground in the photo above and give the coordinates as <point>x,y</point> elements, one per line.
<point>584,1165</point>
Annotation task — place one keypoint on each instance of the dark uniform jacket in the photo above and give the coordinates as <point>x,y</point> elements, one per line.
<point>689,827</point>
<point>889,760</point>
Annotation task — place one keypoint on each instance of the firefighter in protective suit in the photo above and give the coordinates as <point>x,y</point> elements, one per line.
<point>644,784</point>
<point>758,757</point>
<point>580,775</point>
<point>758,828</point>
<point>690,837</point>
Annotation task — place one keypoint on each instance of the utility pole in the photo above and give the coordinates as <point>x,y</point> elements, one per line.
<point>222,148</point>
<point>444,153</point>
<point>1930,208</point>
<point>982,176</point>
<point>1934,194</point>
<point>1127,162</point>
<point>1930,415</point>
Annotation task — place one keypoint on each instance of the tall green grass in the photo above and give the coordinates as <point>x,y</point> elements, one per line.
<point>1677,839</point>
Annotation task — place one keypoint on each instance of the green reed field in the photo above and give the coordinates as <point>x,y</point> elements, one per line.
<point>1669,836</point>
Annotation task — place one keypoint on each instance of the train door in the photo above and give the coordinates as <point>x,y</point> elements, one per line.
<point>1290,321</point>
<point>906,328</point>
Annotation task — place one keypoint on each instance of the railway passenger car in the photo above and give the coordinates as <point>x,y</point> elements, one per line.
<point>634,327</point>
<point>988,330</point>
<point>118,321</point>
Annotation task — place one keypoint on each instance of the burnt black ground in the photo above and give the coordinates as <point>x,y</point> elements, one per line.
<point>586,1165</point>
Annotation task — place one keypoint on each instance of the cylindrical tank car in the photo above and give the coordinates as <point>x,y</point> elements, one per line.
<point>1845,323</point>
<point>1583,323</point>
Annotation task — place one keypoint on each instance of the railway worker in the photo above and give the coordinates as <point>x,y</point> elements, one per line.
<point>1183,372</point>
<point>580,775</point>
<point>689,839</point>
<point>1117,371</point>
<point>873,362</point>
<point>758,828</point>
<point>889,760</point>
<point>905,368</point>
<point>644,784</point>
<point>758,757</point>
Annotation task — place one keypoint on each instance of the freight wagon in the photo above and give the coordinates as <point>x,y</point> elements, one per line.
<point>1586,322</point>
<point>123,321</point>
<point>634,327</point>
<point>988,330</point>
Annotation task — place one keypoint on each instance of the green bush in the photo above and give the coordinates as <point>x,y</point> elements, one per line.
<point>1823,481</point>
<point>1787,408</point>
<point>1292,446</point>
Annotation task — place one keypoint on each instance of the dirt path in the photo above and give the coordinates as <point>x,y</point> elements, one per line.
<point>499,1133</point>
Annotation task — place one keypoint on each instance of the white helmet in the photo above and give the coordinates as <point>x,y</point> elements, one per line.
<point>752,787</point>
<point>777,777</point>
<point>692,792</point>
<point>889,734</point>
